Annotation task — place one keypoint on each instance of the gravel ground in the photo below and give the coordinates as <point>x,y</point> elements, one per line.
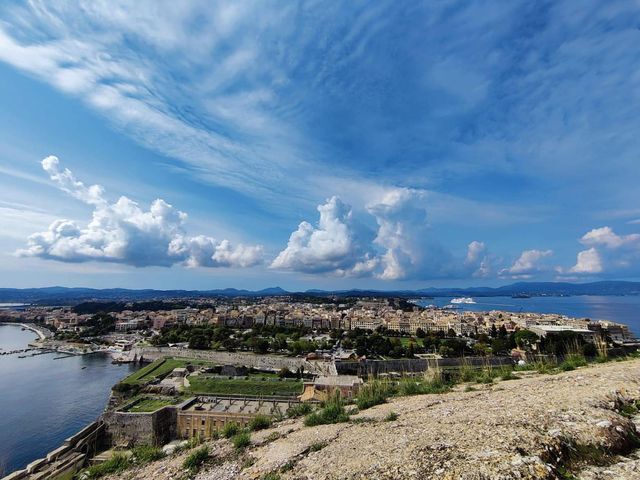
<point>518,429</point>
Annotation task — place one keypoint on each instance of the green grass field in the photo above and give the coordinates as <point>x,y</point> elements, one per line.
<point>255,385</point>
<point>406,340</point>
<point>151,404</point>
<point>160,368</point>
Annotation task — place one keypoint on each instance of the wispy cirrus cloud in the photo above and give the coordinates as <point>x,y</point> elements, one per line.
<point>516,112</point>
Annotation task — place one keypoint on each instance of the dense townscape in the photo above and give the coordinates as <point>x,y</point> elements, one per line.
<point>384,327</point>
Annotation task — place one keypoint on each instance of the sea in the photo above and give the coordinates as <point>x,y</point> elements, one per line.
<point>45,399</point>
<point>622,309</point>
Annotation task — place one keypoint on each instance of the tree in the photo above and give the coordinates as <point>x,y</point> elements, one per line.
<point>493,333</point>
<point>199,342</point>
<point>526,338</point>
<point>502,332</point>
<point>420,333</point>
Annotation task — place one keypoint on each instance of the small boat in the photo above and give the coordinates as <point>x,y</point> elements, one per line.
<point>520,295</point>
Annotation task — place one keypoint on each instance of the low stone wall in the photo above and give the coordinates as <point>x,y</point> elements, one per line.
<point>366,368</point>
<point>269,362</point>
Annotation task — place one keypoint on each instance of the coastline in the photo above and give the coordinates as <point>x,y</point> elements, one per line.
<point>41,332</point>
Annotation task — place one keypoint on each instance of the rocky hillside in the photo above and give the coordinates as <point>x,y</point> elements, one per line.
<point>577,424</point>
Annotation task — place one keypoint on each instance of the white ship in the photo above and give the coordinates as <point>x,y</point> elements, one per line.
<point>463,300</point>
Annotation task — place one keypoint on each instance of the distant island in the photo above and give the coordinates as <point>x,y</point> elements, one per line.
<point>51,295</point>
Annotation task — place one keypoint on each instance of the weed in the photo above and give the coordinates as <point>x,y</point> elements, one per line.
<point>194,461</point>
<point>230,429</point>
<point>332,412</point>
<point>241,440</point>
<point>287,466</point>
<point>391,417</point>
<point>272,476</point>
<point>299,410</point>
<point>259,422</point>
<point>117,463</point>
<point>194,441</point>
<point>362,420</point>
<point>373,393</point>
<point>317,446</point>
<point>272,437</point>
<point>147,453</point>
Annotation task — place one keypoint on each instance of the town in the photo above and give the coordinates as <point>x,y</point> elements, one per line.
<point>326,327</point>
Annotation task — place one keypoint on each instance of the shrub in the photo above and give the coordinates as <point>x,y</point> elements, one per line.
<point>391,417</point>
<point>466,372</point>
<point>230,429</point>
<point>194,441</point>
<point>506,373</point>
<point>332,412</point>
<point>259,422</point>
<point>116,464</point>
<point>362,420</point>
<point>194,461</point>
<point>147,453</point>
<point>373,393</point>
<point>241,440</point>
<point>409,386</point>
<point>572,361</point>
<point>299,410</point>
<point>543,367</point>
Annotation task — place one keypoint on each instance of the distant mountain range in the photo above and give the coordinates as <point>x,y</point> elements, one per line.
<point>64,295</point>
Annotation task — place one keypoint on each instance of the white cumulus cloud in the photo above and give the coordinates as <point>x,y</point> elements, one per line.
<point>588,262</point>
<point>402,219</point>
<point>527,265</point>
<point>123,232</point>
<point>608,253</point>
<point>477,260</point>
<point>399,249</point>
<point>331,246</point>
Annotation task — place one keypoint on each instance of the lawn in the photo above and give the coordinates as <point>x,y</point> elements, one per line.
<point>255,385</point>
<point>160,368</point>
<point>151,404</point>
<point>405,341</point>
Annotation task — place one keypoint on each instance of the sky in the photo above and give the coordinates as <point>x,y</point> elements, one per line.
<point>346,144</point>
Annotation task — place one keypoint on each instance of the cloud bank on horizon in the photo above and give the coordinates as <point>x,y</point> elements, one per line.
<point>122,232</point>
<point>358,143</point>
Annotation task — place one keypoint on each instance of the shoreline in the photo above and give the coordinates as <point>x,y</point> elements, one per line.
<point>57,451</point>
<point>40,333</point>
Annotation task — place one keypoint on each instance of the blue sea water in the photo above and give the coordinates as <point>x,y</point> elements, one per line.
<point>623,309</point>
<point>44,401</point>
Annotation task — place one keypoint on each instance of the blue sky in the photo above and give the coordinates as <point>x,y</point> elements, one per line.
<point>314,144</point>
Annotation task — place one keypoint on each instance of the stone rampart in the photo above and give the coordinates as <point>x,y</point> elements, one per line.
<point>269,362</point>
